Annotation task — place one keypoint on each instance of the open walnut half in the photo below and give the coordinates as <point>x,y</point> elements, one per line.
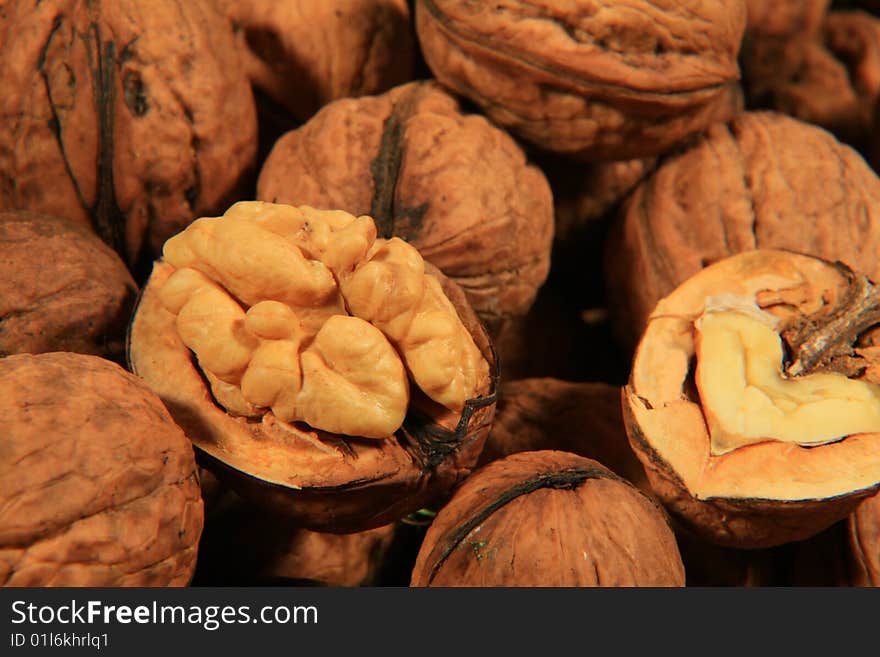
<point>345,379</point>
<point>754,397</point>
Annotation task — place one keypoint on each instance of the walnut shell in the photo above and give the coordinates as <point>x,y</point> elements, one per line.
<point>768,491</point>
<point>98,483</point>
<point>306,53</point>
<point>548,518</point>
<point>580,418</point>
<point>457,188</point>
<point>323,480</point>
<point>864,543</point>
<point>765,181</point>
<point>594,81</point>
<point>61,289</point>
<point>132,117</point>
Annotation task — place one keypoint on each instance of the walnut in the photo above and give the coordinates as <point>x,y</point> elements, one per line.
<point>320,355</point>
<point>823,68</point>
<point>754,398</point>
<point>61,289</point>
<point>598,81</point>
<point>548,518</point>
<point>133,117</point>
<point>449,183</point>
<point>98,483</point>
<point>864,543</point>
<point>762,181</point>
<point>306,53</point>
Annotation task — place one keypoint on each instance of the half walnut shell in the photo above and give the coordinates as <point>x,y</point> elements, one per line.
<point>753,399</point>
<point>330,479</point>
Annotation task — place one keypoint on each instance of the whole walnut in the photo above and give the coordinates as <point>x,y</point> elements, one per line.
<point>864,543</point>
<point>593,80</point>
<point>61,289</point>
<point>450,183</point>
<point>98,484</point>
<point>306,53</point>
<point>132,116</point>
<point>548,518</point>
<point>764,180</point>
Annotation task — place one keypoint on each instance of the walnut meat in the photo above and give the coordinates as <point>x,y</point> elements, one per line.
<point>599,81</point>
<point>753,400</point>
<point>449,183</point>
<point>61,289</point>
<point>320,355</point>
<point>133,117</point>
<point>764,180</point>
<point>548,518</point>
<point>306,53</point>
<point>97,482</point>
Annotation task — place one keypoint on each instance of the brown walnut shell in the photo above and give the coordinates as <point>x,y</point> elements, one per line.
<point>580,418</point>
<point>132,116</point>
<point>763,181</point>
<point>306,53</point>
<point>324,481</point>
<point>864,543</point>
<point>770,492</point>
<point>61,289</point>
<point>548,518</point>
<point>598,81</point>
<point>98,484</point>
<point>454,186</point>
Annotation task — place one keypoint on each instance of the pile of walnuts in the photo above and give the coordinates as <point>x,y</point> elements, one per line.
<point>439,293</point>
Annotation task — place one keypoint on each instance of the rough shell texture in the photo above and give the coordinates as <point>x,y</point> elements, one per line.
<point>306,53</point>
<point>581,418</point>
<point>828,73</point>
<point>61,289</point>
<point>548,518</point>
<point>864,543</point>
<point>98,484</point>
<point>595,80</point>
<point>762,181</point>
<point>245,546</point>
<point>457,188</point>
<point>133,117</point>
<point>329,482</point>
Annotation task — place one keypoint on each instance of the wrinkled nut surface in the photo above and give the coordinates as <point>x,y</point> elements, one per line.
<point>764,180</point>
<point>97,482</point>
<point>132,116</point>
<point>594,80</point>
<point>261,296</point>
<point>451,184</point>
<point>864,543</point>
<point>307,53</point>
<point>61,289</point>
<point>548,518</point>
<point>753,399</point>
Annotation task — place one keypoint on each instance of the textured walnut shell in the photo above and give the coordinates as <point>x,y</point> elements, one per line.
<point>306,53</point>
<point>244,545</point>
<point>548,518</point>
<point>765,181</point>
<point>98,484</point>
<point>759,495</point>
<point>864,543</point>
<point>826,72</point>
<point>613,81</point>
<point>323,481</point>
<point>580,418</point>
<point>132,116</point>
<point>61,289</point>
<point>457,188</point>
